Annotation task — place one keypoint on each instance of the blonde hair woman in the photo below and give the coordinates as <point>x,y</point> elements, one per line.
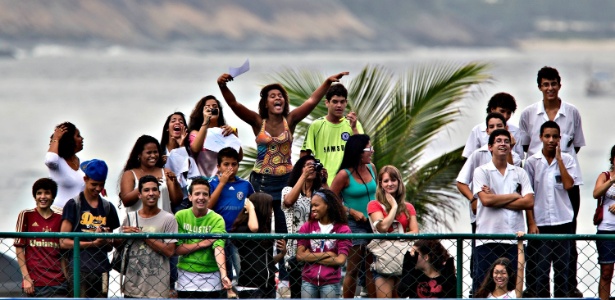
<point>390,213</point>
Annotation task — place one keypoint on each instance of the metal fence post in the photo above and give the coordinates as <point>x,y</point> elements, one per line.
<point>76,268</point>
<point>459,268</point>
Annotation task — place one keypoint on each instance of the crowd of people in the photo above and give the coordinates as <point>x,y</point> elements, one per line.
<point>179,185</point>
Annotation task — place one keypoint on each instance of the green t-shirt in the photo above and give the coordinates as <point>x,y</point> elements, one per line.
<point>203,260</point>
<point>327,141</point>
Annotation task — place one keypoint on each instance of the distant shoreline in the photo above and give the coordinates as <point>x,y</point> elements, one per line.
<point>567,45</point>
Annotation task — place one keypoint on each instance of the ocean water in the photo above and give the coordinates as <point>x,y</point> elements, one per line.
<point>115,95</point>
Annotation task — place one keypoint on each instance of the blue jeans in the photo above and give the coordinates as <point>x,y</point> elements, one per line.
<point>58,291</point>
<point>273,186</point>
<point>232,259</point>
<point>486,254</point>
<point>312,291</point>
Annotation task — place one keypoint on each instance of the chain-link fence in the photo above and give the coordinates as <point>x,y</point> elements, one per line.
<point>449,254</point>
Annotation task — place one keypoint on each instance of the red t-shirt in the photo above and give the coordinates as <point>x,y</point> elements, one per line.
<point>374,206</point>
<point>42,255</point>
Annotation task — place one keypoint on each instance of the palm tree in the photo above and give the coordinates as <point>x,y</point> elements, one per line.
<point>402,115</point>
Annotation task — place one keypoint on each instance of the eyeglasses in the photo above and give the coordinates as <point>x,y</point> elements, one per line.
<point>370,149</point>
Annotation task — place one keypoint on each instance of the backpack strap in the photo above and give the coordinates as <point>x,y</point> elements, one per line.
<point>601,199</point>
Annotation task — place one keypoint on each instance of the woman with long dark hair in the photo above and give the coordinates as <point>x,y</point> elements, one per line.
<point>323,258</point>
<point>273,125</point>
<point>257,272</point>
<point>303,182</point>
<point>173,133</point>
<point>428,272</point>
<point>356,182</point>
<point>502,281</point>
<point>207,113</point>
<point>145,159</point>
<point>63,164</point>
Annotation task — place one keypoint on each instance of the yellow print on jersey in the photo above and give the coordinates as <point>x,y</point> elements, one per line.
<point>92,222</point>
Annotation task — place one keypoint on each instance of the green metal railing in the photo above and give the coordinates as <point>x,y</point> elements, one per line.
<point>458,238</point>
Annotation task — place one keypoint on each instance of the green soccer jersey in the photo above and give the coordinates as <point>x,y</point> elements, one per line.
<point>327,141</point>
<point>203,260</point>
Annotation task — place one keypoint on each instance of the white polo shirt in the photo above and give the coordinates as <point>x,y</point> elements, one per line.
<point>500,220</point>
<point>569,121</point>
<point>551,202</point>
<point>478,158</point>
<point>479,137</point>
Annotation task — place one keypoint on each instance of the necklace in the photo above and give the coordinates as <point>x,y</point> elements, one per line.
<point>73,162</point>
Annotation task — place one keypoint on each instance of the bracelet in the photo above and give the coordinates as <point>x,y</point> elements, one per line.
<point>473,200</point>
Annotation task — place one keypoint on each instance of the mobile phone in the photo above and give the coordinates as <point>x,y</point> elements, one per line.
<point>214,111</point>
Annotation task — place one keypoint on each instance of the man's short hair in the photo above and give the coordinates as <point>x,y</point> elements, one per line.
<point>198,181</point>
<point>336,90</point>
<point>497,133</point>
<point>503,100</point>
<point>549,74</point>
<point>495,115</point>
<point>45,184</point>
<point>549,124</point>
<point>227,152</point>
<point>147,178</point>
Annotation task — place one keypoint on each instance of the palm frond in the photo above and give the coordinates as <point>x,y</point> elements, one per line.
<point>402,116</point>
<point>247,163</point>
<point>432,191</point>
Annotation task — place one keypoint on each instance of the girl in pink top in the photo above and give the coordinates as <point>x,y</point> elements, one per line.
<point>323,258</point>
<point>389,211</point>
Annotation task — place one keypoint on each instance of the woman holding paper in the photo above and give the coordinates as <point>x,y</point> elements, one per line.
<point>207,114</point>
<point>273,125</point>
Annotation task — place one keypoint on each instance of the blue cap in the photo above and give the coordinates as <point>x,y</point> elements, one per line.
<point>95,169</point>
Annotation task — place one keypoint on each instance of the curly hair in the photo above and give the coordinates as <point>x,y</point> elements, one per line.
<point>262,104</point>
<point>335,210</point>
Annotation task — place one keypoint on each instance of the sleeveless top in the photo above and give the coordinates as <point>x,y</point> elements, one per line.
<point>273,153</point>
<point>357,195</point>
<point>608,221</point>
<point>164,202</point>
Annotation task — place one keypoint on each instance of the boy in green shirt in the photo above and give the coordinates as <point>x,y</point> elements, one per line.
<point>201,267</point>
<point>327,136</point>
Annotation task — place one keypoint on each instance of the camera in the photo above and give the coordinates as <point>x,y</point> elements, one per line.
<point>214,111</point>
<point>317,165</point>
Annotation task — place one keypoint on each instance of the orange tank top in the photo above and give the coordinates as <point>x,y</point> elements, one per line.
<point>273,153</point>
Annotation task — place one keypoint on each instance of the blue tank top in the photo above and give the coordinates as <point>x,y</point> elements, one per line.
<point>357,195</point>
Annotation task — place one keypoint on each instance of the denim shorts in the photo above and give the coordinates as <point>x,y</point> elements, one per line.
<point>606,249</point>
<point>375,274</point>
<point>359,227</point>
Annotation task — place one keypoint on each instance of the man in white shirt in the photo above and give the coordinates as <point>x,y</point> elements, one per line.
<point>552,173</point>
<point>504,192</point>
<point>504,104</point>
<point>572,139</point>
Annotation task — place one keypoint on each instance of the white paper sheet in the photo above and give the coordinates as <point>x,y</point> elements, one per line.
<point>215,141</point>
<point>240,70</point>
